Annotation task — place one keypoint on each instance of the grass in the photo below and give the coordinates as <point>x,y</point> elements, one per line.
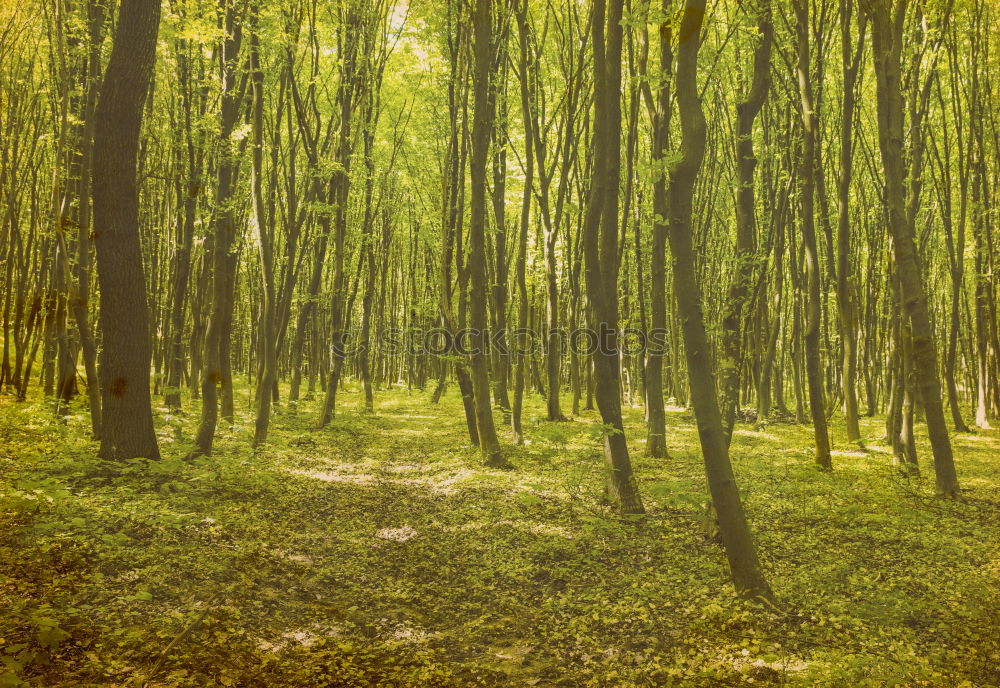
<point>379,552</point>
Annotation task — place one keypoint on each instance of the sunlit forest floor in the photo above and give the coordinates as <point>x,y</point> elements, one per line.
<point>379,552</point>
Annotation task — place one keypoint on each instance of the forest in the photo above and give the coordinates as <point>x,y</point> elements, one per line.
<point>499,343</point>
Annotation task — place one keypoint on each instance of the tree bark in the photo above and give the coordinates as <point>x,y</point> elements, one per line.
<point>846,308</point>
<point>127,428</point>
<point>481,126</point>
<point>887,38</point>
<point>600,237</point>
<point>216,357</point>
<point>746,223</point>
<point>265,238</point>
<point>814,373</point>
<point>520,339</point>
<point>737,540</point>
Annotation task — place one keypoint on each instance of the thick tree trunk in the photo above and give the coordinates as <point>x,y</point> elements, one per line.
<point>127,428</point>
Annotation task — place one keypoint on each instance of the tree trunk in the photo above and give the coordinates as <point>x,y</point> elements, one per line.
<point>482,124</point>
<point>746,224</point>
<point>265,240</point>
<point>887,39</point>
<point>215,359</point>
<point>814,373</point>
<point>127,429</point>
<point>846,308</point>
<point>656,438</point>
<point>737,540</point>
<point>600,237</point>
<point>521,338</point>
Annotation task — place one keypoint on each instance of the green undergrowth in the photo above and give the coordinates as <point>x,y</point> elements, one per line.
<point>379,552</point>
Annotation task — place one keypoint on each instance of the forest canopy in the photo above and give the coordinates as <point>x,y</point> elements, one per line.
<point>499,342</point>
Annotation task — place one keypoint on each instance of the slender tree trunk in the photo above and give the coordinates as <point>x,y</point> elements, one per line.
<point>80,301</point>
<point>737,540</point>
<point>746,224</point>
<point>814,373</point>
<point>265,238</point>
<point>660,113</point>
<point>482,124</point>
<point>215,359</point>
<point>521,338</point>
<point>887,39</point>
<point>846,308</point>
<point>500,288</point>
<point>600,237</point>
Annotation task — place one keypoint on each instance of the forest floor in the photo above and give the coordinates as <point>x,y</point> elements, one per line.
<point>378,552</point>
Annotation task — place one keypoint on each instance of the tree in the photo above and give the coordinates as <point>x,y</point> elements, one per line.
<point>217,376</point>
<point>746,222</point>
<point>600,248</point>
<point>520,340</point>
<point>481,135</point>
<point>127,427</point>
<point>887,42</point>
<point>736,537</point>
<point>264,236</point>
<point>660,109</point>
<point>846,307</point>
<point>814,372</point>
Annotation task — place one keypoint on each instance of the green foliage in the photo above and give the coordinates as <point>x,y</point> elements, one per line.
<point>378,552</point>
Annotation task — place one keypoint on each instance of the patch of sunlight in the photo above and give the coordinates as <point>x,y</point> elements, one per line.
<point>417,416</point>
<point>328,477</point>
<point>744,663</point>
<point>978,438</point>
<point>306,636</point>
<point>850,454</point>
<point>757,434</point>
<point>408,635</point>
<point>303,559</point>
<point>401,534</point>
<point>555,531</point>
<point>443,486</point>
<point>672,408</point>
